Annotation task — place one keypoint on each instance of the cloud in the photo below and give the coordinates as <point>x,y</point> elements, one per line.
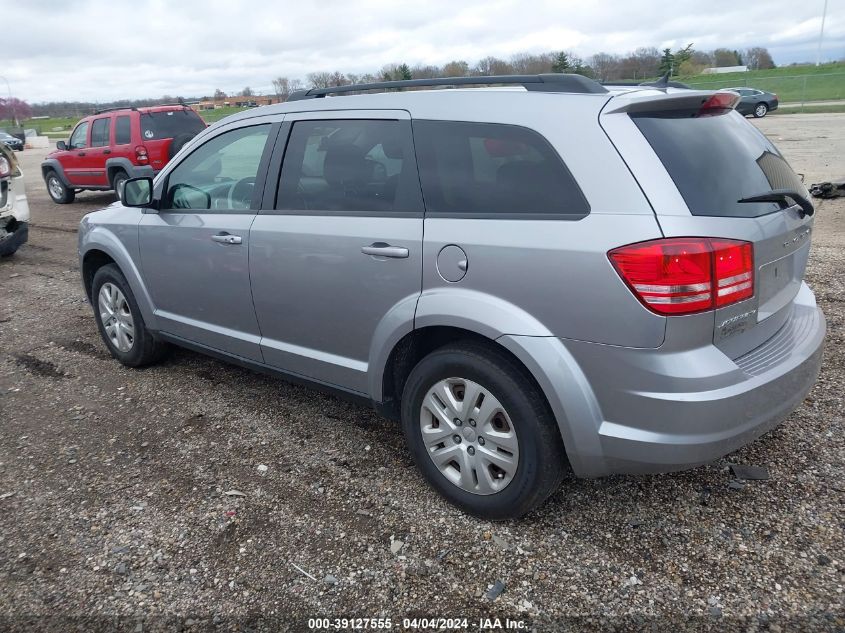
<point>107,49</point>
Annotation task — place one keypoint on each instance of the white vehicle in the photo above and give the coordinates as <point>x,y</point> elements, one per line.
<point>14,209</point>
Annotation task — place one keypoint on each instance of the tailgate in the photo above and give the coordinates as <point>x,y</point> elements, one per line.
<point>696,166</point>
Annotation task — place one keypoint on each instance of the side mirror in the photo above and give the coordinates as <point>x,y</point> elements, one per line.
<point>138,192</point>
<point>61,145</point>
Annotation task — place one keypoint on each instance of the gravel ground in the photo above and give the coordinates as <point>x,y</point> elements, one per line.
<point>200,496</point>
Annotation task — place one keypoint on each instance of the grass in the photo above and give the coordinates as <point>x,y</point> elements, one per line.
<point>790,83</point>
<point>811,109</point>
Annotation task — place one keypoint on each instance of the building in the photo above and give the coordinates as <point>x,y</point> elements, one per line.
<point>724,69</point>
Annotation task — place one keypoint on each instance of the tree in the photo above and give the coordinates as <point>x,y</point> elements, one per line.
<point>493,66</point>
<point>458,68</point>
<point>320,80</point>
<point>682,55</point>
<point>758,58</point>
<point>219,94</point>
<point>725,57</point>
<point>247,92</point>
<point>646,62</point>
<point>529,64</point>
<point>605,66</point>
<point>14,109</point>
<point>561,63</point>
<point>282,87</point>
<point>667,62</point>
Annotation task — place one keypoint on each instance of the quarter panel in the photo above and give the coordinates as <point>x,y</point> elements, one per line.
<point>540,278</point>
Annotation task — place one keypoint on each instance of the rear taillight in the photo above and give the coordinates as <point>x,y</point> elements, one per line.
<point>684,275</point>
<point>719,103</point>
<point>5,167</point>
<point>141,154</point>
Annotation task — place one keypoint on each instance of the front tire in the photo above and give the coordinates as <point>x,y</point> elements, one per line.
<point>120,322</point>
<point>481,432</point>
<point>59,192</point>
<point>118,180</point>
<point>760,110</point>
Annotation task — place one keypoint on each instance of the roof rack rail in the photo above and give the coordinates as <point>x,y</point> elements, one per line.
<point>157,105</point>
<point>549,82</point>
<point>115,109</point>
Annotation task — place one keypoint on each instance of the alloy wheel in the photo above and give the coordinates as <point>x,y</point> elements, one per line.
<point>116,317</point>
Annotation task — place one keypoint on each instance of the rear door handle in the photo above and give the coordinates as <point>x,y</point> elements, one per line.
<point>225,238</point>
<point>106,151</point>
<point>380,249</point>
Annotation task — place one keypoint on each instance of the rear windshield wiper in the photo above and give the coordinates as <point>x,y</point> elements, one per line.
<point>783,195</point>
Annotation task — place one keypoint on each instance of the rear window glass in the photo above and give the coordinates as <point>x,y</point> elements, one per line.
<point>477,169</point>
<point>717,160</point>
<point>170,124</point>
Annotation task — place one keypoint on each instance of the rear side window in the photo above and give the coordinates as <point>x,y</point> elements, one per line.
<point>349,166</point>
<point>170,124</point>
<point>482,169</point>
<point>122,131</point>
<point>100,132</point>
<point>718,160</point>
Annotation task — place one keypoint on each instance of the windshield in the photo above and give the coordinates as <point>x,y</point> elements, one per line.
<point>716,161</point>
<point>169,124</point>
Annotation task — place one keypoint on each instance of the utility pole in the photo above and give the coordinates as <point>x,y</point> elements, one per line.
<point>821,35</point>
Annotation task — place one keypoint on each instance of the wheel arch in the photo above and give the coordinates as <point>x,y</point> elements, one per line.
<point>52,164</point>
<point>101,248</point>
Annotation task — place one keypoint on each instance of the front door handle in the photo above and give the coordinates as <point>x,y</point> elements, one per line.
<point>380,249</point>
<point>225,238</point>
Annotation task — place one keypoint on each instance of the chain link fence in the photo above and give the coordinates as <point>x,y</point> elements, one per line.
<point>792,90</point>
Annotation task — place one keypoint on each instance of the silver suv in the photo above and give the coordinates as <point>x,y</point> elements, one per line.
<point>540,274</point>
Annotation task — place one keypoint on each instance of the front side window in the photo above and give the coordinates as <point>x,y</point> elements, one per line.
<point>349,166</point>
<point>79,138</point>
<point>100,132</point>
<point>477,169</point>
<point>122,131</point>
<point>220,174</point>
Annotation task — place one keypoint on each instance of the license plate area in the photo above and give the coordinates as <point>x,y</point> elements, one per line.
<point>778,281</point>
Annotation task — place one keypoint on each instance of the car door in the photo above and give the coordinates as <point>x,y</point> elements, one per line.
<point>94,157</point>
<point>339,253</point>
<point>72,160</point>
<point>194,249</point>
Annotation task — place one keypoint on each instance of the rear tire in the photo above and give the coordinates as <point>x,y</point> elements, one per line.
<point>120,322</point>
<point>760,110</point>
<point>118,180</point>
<point>504,458</point>
<point>58,191</point>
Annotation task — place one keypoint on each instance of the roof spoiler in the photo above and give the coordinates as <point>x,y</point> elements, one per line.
<point>700,100</point>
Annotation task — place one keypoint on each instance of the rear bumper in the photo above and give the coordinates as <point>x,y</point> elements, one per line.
<point>662,410</point>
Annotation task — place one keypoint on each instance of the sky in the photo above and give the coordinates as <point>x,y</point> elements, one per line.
<point>101,50</point>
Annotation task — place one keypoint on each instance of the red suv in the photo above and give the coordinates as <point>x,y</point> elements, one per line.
<point>111,146</point>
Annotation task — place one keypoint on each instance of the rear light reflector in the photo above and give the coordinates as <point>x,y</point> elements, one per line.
<point>141,154</point>
<point>685,275</point>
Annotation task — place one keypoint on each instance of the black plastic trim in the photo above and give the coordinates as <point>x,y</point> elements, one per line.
<point>548,82</point>
<point>328,388</point>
